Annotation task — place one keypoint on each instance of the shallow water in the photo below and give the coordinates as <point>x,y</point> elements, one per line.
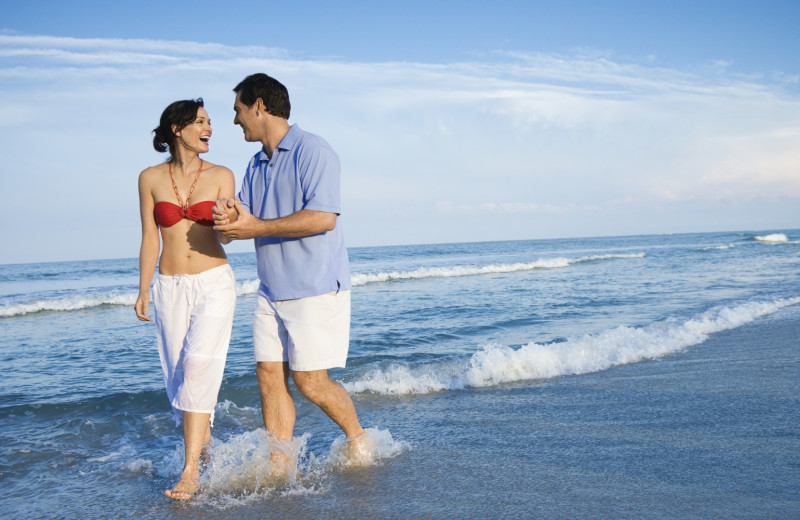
<point>632,377</point>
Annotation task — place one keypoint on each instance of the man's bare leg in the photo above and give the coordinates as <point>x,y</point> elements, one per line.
<point>277,408</point>
<point>334,400</point>
<point>196,435</point>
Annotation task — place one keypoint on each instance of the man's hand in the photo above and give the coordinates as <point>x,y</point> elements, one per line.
<point>235,222</point>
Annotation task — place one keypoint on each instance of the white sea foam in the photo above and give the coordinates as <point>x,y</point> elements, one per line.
<point>469,270</point>
<point>247,287</point>
<point>496,364</point>
<point>71,303</point>
<point>775,237</point>
<point>139,466</point>
<point>126,459</point>
<point>716,248</point>
<point>233,414</point>
<point>126,451</point>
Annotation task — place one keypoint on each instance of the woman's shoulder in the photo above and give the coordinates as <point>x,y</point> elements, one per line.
<point>153,173</point>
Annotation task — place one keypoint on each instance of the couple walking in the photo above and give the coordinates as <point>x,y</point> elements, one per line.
<point>288,204</point>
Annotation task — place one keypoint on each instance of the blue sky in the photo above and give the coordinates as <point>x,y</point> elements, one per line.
<point>455,121</point>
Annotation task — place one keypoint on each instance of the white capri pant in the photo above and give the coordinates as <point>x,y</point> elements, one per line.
<point>194,316</point>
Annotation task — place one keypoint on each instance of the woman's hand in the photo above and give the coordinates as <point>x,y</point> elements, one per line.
<point>141,307</point>
<point>224,212</point>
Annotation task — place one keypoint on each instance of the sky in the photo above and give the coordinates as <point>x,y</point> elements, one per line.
<point>454,121</point>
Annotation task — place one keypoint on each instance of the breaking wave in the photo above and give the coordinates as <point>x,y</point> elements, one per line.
<point>468,270</point>
<point>496,364</point>
<point>776,238</point>
<point>247,287</point>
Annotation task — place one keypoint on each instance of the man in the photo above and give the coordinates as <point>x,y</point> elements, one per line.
<point>289,203</point>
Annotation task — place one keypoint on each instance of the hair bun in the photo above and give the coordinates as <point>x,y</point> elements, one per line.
<point>159,140</point>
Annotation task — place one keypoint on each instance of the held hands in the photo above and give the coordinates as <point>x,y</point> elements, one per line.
<point>233,221</point>
<point>224,212</point>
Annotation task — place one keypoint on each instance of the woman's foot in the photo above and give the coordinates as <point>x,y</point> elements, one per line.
<point>183,490</point>
<point>205,459</point>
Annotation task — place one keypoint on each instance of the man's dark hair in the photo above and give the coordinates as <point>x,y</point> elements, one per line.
<point>271,91</point>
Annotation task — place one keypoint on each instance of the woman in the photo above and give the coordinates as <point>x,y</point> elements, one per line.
<point>194,294</point>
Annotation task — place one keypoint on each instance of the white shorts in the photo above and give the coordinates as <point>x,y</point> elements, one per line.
<point>194,316</point>
<point>309,333</point>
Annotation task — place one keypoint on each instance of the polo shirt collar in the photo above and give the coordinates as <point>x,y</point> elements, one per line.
<point>286,144</point>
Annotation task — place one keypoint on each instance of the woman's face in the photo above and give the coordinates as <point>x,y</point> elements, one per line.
<point>196,134</point>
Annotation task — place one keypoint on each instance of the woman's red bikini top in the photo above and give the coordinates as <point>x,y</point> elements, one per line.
<point>168,214</point>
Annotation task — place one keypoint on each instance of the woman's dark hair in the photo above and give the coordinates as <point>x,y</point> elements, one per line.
<point>179,114</point>
<point>271,91</point>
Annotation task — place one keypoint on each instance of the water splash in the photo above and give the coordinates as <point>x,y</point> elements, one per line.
<point>241,469</point>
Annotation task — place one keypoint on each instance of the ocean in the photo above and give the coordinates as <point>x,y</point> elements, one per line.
<point>625,377</point>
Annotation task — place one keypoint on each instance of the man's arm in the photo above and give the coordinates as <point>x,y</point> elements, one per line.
<point>302,223</point>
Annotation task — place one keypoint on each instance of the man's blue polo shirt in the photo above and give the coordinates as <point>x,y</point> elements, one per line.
<point>303,173</point>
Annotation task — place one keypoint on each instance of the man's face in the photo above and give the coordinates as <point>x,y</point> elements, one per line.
<point>246,118</point>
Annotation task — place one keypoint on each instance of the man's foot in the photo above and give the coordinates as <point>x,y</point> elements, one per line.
<point>280,473</point>
<point>359,450</point>
<point>183,490</point>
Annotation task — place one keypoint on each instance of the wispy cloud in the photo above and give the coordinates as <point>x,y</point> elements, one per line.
<point>109,49</point>
<point>507,135</point>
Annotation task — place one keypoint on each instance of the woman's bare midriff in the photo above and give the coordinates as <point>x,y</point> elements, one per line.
<point>189,248</point>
